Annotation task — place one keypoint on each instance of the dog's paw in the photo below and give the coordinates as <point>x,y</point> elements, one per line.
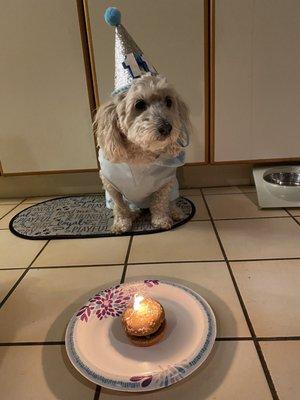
<point>121,225</point>
<point>160,222</point>
<point>177,214</point>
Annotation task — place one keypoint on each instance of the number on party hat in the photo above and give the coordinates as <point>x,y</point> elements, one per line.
<point>130,62</point>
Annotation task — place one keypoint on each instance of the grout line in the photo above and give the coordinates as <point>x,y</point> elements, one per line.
<point>259,339</point>
<point>129,263</point>
<point>219,219</point>
<point>277,338</point>
<point>77,266</point>
<point>294,218</point>
<point>116,265</point>
<point>176,262</point>
<point>231,273</point>
<point>286,211</point>
<point>97,392</point>
<point>187,195</point>
<point>266,371</point>
<point>17,205</point>
<point>48,343</point>
<point>243,306</point>
<point>218,339</point>
<point>222,186</point>
<point>126,259</point>
<point>22,276</point>
<point>229,193</point>
<point>247,218</point>
<point>155,262</point>
<point>229,339</point>
<point>199,220</point>
<point>263,259</point>
<point>10,204</point>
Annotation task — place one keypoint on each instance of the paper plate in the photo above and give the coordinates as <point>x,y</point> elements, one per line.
<point>100,350</point>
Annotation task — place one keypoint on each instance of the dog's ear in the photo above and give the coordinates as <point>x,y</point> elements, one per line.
<point>108,134</point>
<point>186,127</point>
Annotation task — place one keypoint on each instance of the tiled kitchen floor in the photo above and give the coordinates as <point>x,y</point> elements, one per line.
<point>244,261</point>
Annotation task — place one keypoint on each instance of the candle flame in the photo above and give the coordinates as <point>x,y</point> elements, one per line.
<point>137,302</point>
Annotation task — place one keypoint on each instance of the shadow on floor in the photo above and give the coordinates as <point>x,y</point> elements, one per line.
<point>52,376</point>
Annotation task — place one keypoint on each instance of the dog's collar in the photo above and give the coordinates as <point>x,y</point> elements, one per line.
<point>184,139</point>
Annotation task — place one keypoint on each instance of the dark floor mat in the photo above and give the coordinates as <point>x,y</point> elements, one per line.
<point>81,217</point>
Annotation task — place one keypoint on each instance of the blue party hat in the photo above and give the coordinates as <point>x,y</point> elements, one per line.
<point>130,62</point>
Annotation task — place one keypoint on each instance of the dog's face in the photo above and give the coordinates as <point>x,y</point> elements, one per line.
<point>150,115</point>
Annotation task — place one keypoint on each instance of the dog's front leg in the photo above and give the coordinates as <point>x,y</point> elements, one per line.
<point>122,214</point>
<point>159,208</point>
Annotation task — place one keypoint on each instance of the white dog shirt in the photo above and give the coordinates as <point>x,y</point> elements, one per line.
<point>138,182</point>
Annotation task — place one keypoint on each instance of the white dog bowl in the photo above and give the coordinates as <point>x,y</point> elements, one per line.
<point>278,186</point>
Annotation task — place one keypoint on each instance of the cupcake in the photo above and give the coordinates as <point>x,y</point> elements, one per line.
<point>144,322</point>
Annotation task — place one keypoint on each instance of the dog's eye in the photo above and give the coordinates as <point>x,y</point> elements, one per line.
<point>140,105</point>
<point>168,101</point>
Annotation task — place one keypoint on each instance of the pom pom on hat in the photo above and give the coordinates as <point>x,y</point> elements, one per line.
<point>112,16</point>
<point>130,62</point>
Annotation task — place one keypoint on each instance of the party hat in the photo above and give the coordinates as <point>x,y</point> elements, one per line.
<point>130,62</point>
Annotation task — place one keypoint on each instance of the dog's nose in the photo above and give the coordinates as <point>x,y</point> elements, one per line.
<point>165,129</point>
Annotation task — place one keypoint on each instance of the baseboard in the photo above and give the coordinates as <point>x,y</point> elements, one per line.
<point>47,185</point>
<point>215,175</point>
<point>89,182</point>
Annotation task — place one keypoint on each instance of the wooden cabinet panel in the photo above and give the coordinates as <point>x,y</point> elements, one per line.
<point>45,122</point>
<point>256,79</point>
<point>171,33</point>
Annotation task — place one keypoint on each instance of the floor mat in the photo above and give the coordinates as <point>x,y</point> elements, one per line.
<point>81,217</point>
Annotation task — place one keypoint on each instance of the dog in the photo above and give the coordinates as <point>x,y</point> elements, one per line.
<point>140,134</point>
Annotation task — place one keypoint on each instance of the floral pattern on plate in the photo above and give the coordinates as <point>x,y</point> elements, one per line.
<point>113,301</point>
<point>169,375</point>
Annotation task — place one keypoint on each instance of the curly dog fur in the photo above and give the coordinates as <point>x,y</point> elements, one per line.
<point>131,129</point>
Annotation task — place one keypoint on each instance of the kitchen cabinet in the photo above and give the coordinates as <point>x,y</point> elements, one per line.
<point>255,80</point>
<point>45,117</point>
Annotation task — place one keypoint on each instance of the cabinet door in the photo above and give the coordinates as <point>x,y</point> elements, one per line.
<point>171,34</point>
<point>45,122</point>
<point>257,80</point>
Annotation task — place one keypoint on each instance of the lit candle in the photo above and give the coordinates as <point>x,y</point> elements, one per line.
<point>144,321</point>
<point>137,302</point>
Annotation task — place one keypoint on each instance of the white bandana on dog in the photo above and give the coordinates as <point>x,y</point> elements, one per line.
<point>138,182</point>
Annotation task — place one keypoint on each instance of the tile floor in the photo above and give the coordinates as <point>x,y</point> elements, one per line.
<point>243,260</point>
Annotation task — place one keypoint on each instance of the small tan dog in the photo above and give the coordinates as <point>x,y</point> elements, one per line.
<point>140,134</point>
